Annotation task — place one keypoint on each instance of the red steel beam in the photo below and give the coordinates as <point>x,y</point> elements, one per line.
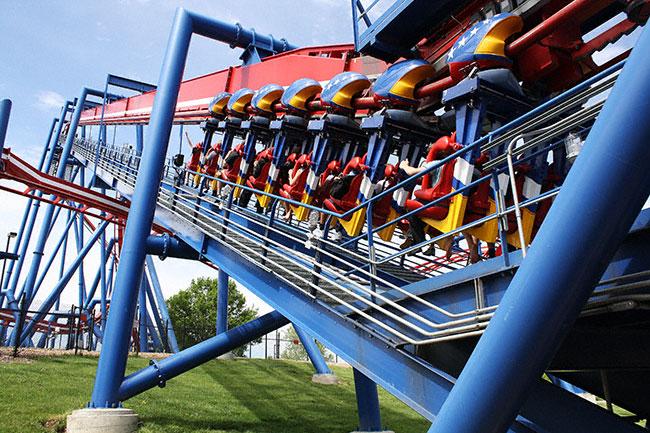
<point>319,63</point>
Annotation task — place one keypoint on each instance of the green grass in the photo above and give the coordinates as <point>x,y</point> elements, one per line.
<point>244,396</point>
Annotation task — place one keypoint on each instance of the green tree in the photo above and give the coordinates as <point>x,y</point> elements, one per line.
<point>295,350</point>
<point>193,312</point>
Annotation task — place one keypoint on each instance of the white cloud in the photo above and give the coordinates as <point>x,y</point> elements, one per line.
<point>49,101</point>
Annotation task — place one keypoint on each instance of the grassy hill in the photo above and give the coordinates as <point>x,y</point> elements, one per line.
<point>244,396</point>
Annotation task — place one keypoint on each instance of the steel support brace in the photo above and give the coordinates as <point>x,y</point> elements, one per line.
<point>181,362</point>
<point>162,306</point>
<point>51,299</point>
<point>166,246</point>
<point>222,302</point>
<point>312,350</point>
<point>112,360</point>
<point>143,328</point>
<point>367,403</point>
<point>5,111</point>
<point>570,252</point>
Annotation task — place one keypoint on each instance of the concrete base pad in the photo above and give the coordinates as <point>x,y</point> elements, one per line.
<point>227,356</point>
<point>325,379</point>
<point>117,420</point>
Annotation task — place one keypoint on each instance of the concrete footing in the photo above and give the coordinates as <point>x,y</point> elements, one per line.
<point>227,356</point>
<point>325,379</point>
<point>117,420</point>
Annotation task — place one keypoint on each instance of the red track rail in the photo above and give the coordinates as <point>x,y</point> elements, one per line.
<point>14,168</point>
<point>324,62</point>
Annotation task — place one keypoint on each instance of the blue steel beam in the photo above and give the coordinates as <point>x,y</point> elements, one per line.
<point>311,347</point>
<point>367,402</point>
<point>49,301</point>
<point>553,283</point>
<point>112,360</point>
<point>96,282</point>
<point>47,218</point>
<point>130,84</point>
<point>162,306</point>
<point>26,231</point>
<point>156,316</point>
<point>160,372</point>
<point>5,112</point>
<point>142,329</point>
<point>28,207</point>
<point>222,302</point>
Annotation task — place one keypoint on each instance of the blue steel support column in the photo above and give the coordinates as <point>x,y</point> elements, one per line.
<point>26,214</point>
<point>597,205</point>
<point>156,317</point>
<point>5,111</point>
<point>142,329</point>
<point>222,302</point>
<point>162,306</point>
<point>139,139</point>
<point>112,360</point>
<point>367,403</point>
<point>47,218</point>
<point>26,231</point>
<point>312,350</point>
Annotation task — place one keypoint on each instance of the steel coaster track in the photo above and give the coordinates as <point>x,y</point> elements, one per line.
<point>357,294</point>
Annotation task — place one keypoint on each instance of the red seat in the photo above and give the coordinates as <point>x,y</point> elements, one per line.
<point>259,182</point>
<point>381,207</point>
<point>211,166</point>
<point>430,192</point>
<point>349,200</point>
<point>295,191</point>
<point>230,174</point>
<point>323,190</point>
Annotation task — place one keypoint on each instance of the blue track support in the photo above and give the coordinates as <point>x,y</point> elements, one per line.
<point>25,231</point>
<point>139,139</point>
<point>222,302</point>
<point>587,222</point>
<point>142,303</point>
<point>367,403</point>
<point>5,111</point>
<point>23,225</point>
<point>162,306</point>
<point>312,350</point>
<point>105,254</point>
<point>164,345</point>
<point>49,212</point>
<point>49,302</point>
<point>112,361</point>
<point>160,372</point>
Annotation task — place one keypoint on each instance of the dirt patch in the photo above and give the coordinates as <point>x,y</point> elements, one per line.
<point>9,359</point>
<point>56,424</point>
<point>26,355</point>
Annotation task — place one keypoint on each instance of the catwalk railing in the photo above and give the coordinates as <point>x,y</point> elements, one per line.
<point>357,275</point>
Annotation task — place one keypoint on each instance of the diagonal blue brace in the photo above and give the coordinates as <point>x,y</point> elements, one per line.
<point>587,222</point>
<point>112,361</point>
<point>160,372</point>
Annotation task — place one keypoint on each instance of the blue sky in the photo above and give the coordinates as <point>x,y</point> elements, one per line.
<point>50,50</point>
